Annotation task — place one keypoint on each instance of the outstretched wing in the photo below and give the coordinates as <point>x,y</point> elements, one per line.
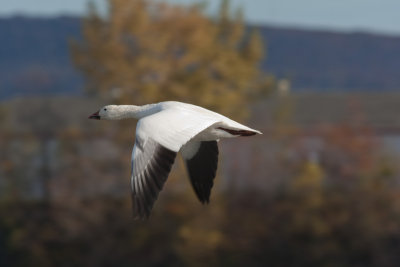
<point>151,164</point>
<point>202,166</point>
<point>158,139</point>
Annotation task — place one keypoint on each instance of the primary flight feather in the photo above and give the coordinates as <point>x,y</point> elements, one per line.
<point>163,130</point>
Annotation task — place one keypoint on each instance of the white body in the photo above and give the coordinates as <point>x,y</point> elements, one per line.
<point>174,124</point>
<point>165,129</point>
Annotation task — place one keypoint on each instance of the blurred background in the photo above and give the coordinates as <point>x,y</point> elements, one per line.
<point>320,79</point>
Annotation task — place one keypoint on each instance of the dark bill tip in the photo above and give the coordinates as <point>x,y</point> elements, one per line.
<point>95,116</point>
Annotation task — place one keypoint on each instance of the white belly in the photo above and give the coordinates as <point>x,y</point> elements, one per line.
<point>211,134</point>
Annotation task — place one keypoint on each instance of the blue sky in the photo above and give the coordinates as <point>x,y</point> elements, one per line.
<point>348,15</point>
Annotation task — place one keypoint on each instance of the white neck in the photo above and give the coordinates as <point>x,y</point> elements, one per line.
<point>136,112</point>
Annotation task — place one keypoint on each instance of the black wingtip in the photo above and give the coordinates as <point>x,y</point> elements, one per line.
<point>137,217</point>
<point>205,201</point>
<point>202,170</point>
<point>150,180</point>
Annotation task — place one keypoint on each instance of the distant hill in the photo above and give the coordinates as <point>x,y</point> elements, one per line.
<point>34,58</point>
<point>333,61</point>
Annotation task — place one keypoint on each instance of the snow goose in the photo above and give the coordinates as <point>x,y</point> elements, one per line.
<point>163,130</point>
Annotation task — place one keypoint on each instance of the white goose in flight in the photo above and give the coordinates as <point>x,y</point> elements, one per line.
<point>163,130</point>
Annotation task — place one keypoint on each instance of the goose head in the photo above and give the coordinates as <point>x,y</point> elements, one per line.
<point>110,112</point>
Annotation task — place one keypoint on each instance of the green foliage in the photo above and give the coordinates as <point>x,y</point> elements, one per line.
<point>147,51</point>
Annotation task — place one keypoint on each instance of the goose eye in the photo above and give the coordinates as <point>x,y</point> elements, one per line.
<point>105,109</point>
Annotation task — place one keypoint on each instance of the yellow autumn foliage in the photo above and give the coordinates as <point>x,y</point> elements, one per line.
<point>149,51</point>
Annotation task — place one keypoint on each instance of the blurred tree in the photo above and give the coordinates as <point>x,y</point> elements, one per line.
<point>148,51</point>
<point>309,177</point>
<point>350,151</point>
<point>44,127</point>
